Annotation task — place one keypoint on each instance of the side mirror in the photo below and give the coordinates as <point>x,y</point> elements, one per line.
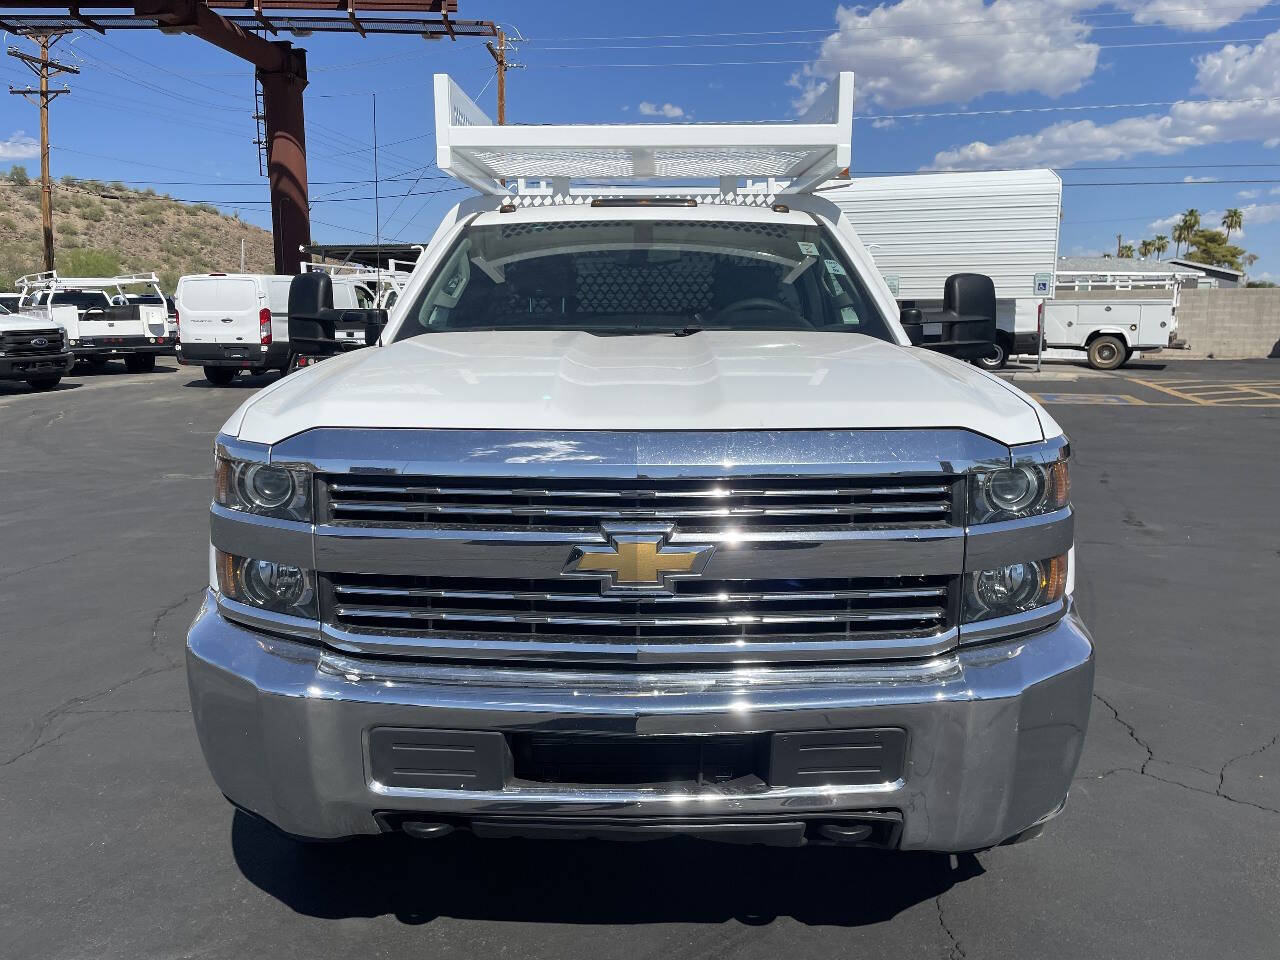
<point>966,325</point>
<point>912,319</point>
<point>311,315</point>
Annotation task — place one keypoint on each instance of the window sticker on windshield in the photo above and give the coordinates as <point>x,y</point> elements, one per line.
<point>834,268</point>
<point>807,249</point>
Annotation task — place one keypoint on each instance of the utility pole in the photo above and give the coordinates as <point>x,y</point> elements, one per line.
<point>499,55</point>
<point>44,68</point>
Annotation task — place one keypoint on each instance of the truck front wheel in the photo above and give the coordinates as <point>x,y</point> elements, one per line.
<point>44,383</point>
<point>997,357</point>
<point>220,375</point>
<point>1107,353</point>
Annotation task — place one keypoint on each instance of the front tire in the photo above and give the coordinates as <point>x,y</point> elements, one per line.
<point>44,383</point>
<point>220,376</point>
<point>1107,353</point>
<point>140,362</point>
<point>996,359</point>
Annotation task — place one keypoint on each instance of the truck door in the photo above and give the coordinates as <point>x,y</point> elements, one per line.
<point>1061,324</point>
<point>221,310</point>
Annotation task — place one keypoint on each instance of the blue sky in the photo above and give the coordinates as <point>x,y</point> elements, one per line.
<point>174,113</point>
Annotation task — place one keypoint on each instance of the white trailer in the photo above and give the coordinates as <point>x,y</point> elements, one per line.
<point>922,228</point>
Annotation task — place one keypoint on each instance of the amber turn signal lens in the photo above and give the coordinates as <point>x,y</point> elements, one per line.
<point>1059,481</point>
<point>225,565</point>
<point>1055,578</point>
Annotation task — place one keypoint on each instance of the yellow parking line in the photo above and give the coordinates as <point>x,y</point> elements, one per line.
<point>1171,392</point>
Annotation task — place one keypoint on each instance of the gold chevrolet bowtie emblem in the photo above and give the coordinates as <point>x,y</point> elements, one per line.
<point>637,561</point>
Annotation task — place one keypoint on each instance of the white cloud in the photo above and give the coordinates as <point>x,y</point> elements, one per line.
<point>1010,46</point>
<point>1191,179</point>
<point>19,146</point>
<point>1231,72</point>
<point>1248,194</point>
<point>1184,16</point>
<point>669,110</point>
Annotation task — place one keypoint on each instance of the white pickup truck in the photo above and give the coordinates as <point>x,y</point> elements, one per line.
<point>643,516</point>
<point>33,350</point>
<point>101,322</point>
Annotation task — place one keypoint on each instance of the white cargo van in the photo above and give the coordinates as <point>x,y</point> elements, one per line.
<point>230,322</point>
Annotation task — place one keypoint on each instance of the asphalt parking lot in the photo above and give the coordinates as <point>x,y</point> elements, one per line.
<point>114,842</point>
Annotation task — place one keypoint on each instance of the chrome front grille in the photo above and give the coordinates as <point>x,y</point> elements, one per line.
<point>697,610</point>
<point>18,343</point>
<point>691,504</point>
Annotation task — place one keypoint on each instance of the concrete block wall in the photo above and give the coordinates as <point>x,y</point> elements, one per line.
<point>1231,323</point>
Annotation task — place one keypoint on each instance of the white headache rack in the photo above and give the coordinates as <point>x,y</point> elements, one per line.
<point>806,151</point>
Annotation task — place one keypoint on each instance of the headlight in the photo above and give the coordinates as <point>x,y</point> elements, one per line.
<point>265,489</point>
<point>1035,483</point>
<point>1014,588</point>
<point>278,587</point>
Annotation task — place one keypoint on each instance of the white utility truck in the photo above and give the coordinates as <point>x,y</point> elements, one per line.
<point>1111,315</point>
<point>643,516</point>
<point>100,321</point>
<point>229,322</point>
<point>34,350</point>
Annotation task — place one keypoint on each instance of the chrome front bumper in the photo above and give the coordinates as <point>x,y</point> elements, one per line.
<point>994,732</point>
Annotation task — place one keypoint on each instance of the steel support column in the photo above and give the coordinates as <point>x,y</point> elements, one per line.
<point>287,160</point>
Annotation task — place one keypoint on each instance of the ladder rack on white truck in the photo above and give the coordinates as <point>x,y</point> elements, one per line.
<point>101,323</point>
<point>808,151</point>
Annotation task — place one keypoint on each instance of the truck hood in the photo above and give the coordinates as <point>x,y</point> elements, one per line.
<point>24,321</point>
<point>714,380</point>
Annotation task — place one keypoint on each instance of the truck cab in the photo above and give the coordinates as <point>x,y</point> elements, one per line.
<point>33,350</point>
<point>641,517</point>
<point>101,322</point>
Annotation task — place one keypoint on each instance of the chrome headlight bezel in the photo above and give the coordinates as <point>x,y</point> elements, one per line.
<point>1046,585</point>
<point>246,485</point>
<point>236,578</point>
<point>1037,473</point>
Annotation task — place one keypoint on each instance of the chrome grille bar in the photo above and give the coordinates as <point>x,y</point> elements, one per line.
<point>341,590</point>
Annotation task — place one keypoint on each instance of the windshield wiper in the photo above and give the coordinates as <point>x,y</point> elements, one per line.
<point>688,330</point>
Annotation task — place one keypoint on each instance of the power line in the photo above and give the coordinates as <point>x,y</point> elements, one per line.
<point>1064,27</point>
<point>879,59</point>
<point>832,29</point>
<point>1062,108</point>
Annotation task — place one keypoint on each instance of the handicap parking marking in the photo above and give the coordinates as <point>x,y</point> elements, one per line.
<point>1122,399</point>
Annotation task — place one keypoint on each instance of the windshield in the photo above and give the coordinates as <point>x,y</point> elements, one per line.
<point>621,277</point>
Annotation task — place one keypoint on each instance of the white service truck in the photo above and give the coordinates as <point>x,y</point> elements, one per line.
<point>641,517</point>
<point>101,322</point>
<point>1110,316</point>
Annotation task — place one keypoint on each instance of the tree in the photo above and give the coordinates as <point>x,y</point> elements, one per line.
<point>1191,219</point>
<point>1211,247</point>
<point>1144,249</point>
<point>1160,244</point>
<point>88,262</point>
<point>1233,219</point>
<point>18,174</point>
<point>1125,252</point>
<point>1180,236</point>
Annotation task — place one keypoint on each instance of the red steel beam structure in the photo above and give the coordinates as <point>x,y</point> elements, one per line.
<point>281,70</point>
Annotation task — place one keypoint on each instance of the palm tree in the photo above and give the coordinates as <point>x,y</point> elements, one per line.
<point>1160,244</point>
<point>1125,252</point>
<point>1233,219</point>
<point>1191,220</point>
<point>1144,249</point>
<point>1181,234</point>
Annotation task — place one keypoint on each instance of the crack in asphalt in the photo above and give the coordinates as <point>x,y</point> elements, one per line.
<point>957,949</point>
<point>1133,733</point>
<point>68,707</point>
<point>1222,774</point>
<point>46,563</point>
<point>1143,772</point>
